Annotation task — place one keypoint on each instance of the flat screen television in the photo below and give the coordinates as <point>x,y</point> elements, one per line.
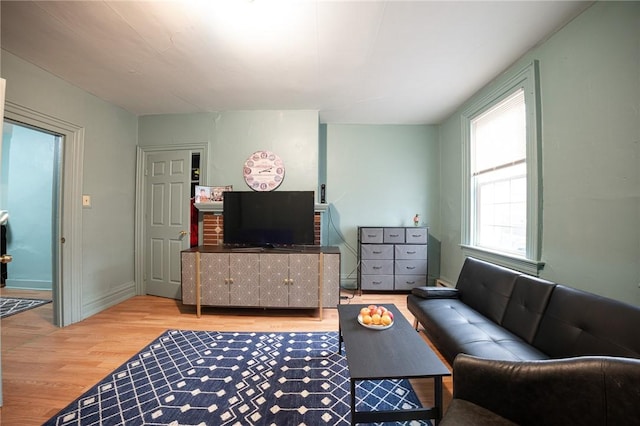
<point>268,219</point>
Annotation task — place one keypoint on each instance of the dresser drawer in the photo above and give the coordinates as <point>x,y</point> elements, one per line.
<point>411,267</point>
<point>376,251</point>
<point>377,282</point>
<point>394,235</point>
<point>371,236</point>
<point>376,267</point>
<point>407,282</point>
<point>411,252</point>
<point>416,235</point>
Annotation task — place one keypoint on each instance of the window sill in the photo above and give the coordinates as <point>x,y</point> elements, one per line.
<point>521,264</point>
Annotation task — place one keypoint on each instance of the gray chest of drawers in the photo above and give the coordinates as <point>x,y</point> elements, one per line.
<point>392,258</point>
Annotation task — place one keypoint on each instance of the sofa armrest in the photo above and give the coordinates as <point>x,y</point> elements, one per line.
<point>582,390</point>
<point>435,292</point>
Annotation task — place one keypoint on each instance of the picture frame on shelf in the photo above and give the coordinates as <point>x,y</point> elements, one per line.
<point>217,192</point>
<point>203,194</point>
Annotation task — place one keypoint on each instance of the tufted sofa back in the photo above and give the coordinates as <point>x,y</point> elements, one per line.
<point>526,306</point>
<point>486,287</point>
<point>579,323</point>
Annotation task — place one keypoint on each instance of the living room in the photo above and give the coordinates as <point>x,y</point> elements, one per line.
<point>590,90</point>
<point>588,74</point>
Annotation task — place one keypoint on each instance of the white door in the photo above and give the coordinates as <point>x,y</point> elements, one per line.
<point>167,207</point>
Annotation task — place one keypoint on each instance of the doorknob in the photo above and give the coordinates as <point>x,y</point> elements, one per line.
<point>183,233</point>
<point>6,258</point>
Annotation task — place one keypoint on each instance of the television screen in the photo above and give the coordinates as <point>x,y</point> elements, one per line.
<point>267,219</point>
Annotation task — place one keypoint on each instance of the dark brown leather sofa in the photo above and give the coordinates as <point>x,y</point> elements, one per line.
<point>584,391</point>
<point>499,313</point>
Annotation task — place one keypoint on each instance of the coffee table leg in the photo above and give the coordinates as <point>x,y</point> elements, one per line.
<point>353,401</point>
<point>339,340</point>
<point>437,389</point>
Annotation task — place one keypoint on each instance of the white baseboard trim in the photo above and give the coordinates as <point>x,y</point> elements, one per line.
<point>29,284</point>
<point>442,283</point>
<point>124,292</point>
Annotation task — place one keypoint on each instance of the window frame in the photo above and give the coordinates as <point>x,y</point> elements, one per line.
<point>528,80</point>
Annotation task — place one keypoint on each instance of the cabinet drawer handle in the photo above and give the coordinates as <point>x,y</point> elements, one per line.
<point>377,267</point>
<point>411,252</point>
<point>394,235</point>
<point>410,282</point>
<point>411,267</point>
<point>416,235</point>
<point>376,282</point>
<point>371,236</point>
<point>376,252</point>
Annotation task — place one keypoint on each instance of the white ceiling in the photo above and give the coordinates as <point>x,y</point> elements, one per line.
<point>363,62</point>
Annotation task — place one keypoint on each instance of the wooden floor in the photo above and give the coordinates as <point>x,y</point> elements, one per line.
<point>44,368</point>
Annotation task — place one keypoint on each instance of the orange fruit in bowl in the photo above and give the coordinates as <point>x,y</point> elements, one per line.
<point>385,320</point>
<point>375,318</point>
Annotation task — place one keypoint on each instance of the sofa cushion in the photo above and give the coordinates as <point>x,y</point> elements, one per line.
<point>486,287</point>
<point>453,327</point>
<point>578,323</point>
<point>526,306</point>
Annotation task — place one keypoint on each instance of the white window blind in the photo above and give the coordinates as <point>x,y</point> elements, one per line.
<point>498,173</point>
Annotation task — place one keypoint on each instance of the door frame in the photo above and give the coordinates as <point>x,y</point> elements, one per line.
<point>142,153</point>
<point>67,256</point>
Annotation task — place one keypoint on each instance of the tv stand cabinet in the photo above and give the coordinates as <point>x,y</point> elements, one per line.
<point>229,276</point>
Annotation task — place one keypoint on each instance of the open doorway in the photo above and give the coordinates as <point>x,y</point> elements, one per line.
<point>67,237</point>
<point>31,187</point>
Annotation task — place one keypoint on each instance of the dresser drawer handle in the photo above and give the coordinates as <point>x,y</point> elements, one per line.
<point>410,282</point>
<point>411,267</point>
<point>411,252</point>
<point>371,235</point>
<point>394,235</point>
<point>376,252</point>
<point>377,267</point>
<point>376,282</point>
<point>416,235</point>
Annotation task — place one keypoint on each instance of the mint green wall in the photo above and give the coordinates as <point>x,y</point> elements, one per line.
<point>110,135</point>
<point>379,176</point>
<point>590,90</point>
<point>234,135</point>
<point>28,158</point>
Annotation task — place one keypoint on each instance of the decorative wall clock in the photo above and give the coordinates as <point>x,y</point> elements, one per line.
<point>263,171</point>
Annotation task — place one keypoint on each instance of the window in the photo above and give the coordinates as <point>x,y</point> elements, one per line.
<point>501,149</point>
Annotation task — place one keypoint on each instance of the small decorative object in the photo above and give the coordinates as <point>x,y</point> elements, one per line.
<point>217,192</point>
<point>263,171</point>
<point>416,220</point>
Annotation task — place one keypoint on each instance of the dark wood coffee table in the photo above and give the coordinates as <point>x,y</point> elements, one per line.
<point>395,353</point>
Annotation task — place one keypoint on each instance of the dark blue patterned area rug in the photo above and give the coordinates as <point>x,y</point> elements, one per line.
<point>211,378</point>
<point>14,305</point>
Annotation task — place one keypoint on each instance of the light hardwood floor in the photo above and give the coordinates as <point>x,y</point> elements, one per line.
<point>44,368</point>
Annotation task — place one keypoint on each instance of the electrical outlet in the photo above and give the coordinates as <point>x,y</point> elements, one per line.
<point>86,201</point>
